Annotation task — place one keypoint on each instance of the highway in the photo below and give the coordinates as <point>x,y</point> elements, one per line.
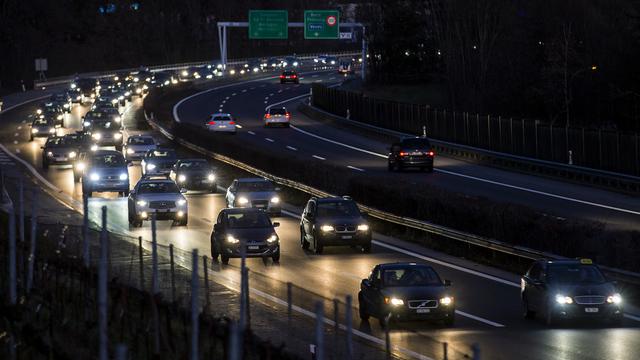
<point>487,299</point>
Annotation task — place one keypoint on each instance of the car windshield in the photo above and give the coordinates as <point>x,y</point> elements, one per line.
<point>40,122</point>
<point>338,209</point>
<point>416,143</point>
<point>108,160</point>
<point>278,111</point>
<point>163,154</point>
<point>574,273</point>
<point>54,141</point>
<point>251,219</point>
<point>410,276</point>
<point>255,186</point>
<point>191,165</point>
<point>158,188</point>
<point>140,140</point>
<point>105,125</point>
<point>222,118</point>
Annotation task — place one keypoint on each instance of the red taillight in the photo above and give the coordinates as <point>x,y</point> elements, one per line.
<point>402,153</point>
<point>212,122</point>
<point>232,122</point>
<point>287,115</point>
<point>281,76</point>
<point>267,116</point>
<point>294,76</point>
<point>431,153</point>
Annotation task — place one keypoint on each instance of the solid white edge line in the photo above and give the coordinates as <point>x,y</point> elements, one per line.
<point>477,318</point>
<point>251,132</point>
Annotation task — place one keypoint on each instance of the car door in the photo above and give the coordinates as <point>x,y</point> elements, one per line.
<point>231,194</point>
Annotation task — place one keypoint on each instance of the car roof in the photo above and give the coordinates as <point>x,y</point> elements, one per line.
<point>192,160</point>
<point>246,180</point>
<point>140,136</point>
<point>332,199</point>
<point>155,180</point>
<point>401,264</point>
<point>583,261</point>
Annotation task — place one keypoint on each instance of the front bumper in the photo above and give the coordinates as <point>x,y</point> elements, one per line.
<point>433,314</point>
<point>216,128</point>
<point>176,213</point>
<point>344,239</point>
<point>253,250</point>
<point>198,184</point>
<point>577,311</point>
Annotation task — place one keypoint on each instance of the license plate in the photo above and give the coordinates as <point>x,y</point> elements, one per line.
<point>346,237</point>
<point>260,206</point>
<point>61,159</point>
<point>591,310</point>
<point>423,311</point>
<point>254,247</point>
<point>416,153</point>
<point>223,126</point>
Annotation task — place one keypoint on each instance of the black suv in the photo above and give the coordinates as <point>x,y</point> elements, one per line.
<point>334,221</point>
<point>568,289</point>
<point>289,76</point>
<point>415,152</point>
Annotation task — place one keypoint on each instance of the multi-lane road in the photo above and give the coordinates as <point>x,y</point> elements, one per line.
<point>488,305</point>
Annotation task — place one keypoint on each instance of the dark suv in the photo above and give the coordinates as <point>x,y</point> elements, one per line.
<point>415,152</point>
<point>334,221</point>
<point>289,76</point>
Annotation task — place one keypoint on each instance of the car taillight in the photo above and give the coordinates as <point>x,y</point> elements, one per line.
<point>402,153</point>
<point>287,115</point>
<point>267,116</point>
<point>281,76</point>
<point>431,153</point>
<point>294,76</point>
<point>232,122</point>
<point>212,122</point>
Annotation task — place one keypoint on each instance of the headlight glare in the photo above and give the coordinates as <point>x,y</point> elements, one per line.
<point>243,200</point>
<point>72,154</point>
<point>151,166</point>
<point>446,301</point>
<point>34,131</point>
<point>141,203</point>
<point>181,202</point>
<point>117,136</point>
<point>561,299</point>
<point>97,136</point>
<point>182,178</point>
<point>273,238</point>
<point>232,240</point>
<point>275,199</point>
<point>363,227</point>
<point>211,177</point>
<point>394,301</point>
<point>614,299</point>
<point>124,176</point>
<point>94,177</point>
<point>326,228</point>
<point>130,151</point>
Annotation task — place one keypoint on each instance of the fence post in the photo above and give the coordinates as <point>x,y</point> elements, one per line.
<point>206,282</point>
<point>551,141</point>
<point>140,262</point>
<point>637,156</point>
<point>475,349</point>
<point>387,336</point>
<point>32,238</point>
<point>336,328</point>
<point>85,231</point>
<point>536,137</point>
<point>21,210</point>
<point>12,257</point>
<point>500,132</point>
<point>289,301</point>
<point>154,257</point>
<point>121,352</point>
<point>524,138</point>
<point>511,135</point>
<point>235,349</point>
<point>194,305</point>
<point>348,317</point>
<point>489,131</point>
<point>445,351</point>
<point>319,331</point>
<point>173,275</point>
<point>600,148</point>
<point>102,290</point>
<point>478,128</point>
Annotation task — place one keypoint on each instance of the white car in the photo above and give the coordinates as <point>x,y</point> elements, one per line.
<point>137,146</point>
<point>221,123</point>
<point>277,116</point>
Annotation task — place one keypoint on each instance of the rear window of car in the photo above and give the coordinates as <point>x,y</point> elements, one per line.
<point>278,111</point>
<point>222,118</point>
<point>140,140</point>
<point>416,143</point>
<point>158,188</point>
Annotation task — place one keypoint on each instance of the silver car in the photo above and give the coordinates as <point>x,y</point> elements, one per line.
<point>254,192</point>
<point>277,116</point>
<point>42,127</point>
<point>159,196</point>
<point>137,146</point>
<point>221,123</point>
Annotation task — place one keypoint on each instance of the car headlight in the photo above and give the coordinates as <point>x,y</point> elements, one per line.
<point>52,131</point>
<point>211,177</point>
<point>561,299</point>
<point>124,176</point>
<point>138,91</point>
<point>275,200</point>
<point>49,153</point>
<point>94,147</point>
<point>60,117</point>
<point>141,203</point>
<point>326,228</point>
<point>34,131</point>
<point>94,177</point>
<point>182,178</point>
<point>145,87</point>
<point>114,101</point>
<point>446,301</point>
<point>151,166</point>
<point>121,97</point>
<point>118,119</point>
<point>273,238</point>
<point>86,123</point>
<point>363,227</point>
<point>181,202</point>
<point>130,151</point>
<point>255,69</point>
<point>614,299</point>
<point>232,240</point>
<point>128,93</point>
<point>66,106</point>
<point>185,73</point>
<point>231,72</point>
<point>243,200</point>
<point>295,63</point>
<point>96,136</point>
<point>39,111</point>
<point>394,301</point>
<point>117,136</point>
<point>72,154</point>
<point>73,86</point>
<point>80,166</point>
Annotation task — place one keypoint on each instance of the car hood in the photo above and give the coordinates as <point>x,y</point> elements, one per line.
<point>603,289</point>
<point>417,292</point>
<point>61,149</point>
<point>141,147</point>
<point>348,221</point>
<point>42,126</point>
<point>160,196</point>
<point>251,235</point>
<point>198,173</point>
<point>258,195</point>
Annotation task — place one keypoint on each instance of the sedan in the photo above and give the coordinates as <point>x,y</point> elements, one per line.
<point>221,123</point>
<point>194,174</point>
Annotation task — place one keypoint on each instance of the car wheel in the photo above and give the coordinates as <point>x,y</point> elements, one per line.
<point>224,259</point>
<point>362,310</point>
<point>276,257</point>
<point>366,248</point>
<point>214,252</point>
<point>303,241</point>
<point>317,246</point>
<point>526,312</point>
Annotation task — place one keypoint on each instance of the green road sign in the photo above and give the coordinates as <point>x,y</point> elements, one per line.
<point>268,24</point>
<point>321,24</point>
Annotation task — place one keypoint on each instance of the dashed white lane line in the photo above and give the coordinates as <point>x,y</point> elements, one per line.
<point>244,90</point>
<point>332,78</point>
<point>266,102</point>
<point>291,148</point>
<point>252,88</point>
<point>19,127</point>
<point>355,168</point>
<point>317,81</point>
<point>319,157</point>
<point>15,142</point>
<point>227,98</point>
<point>251,132</point>
<point>271,94</point>
<point>234,94</point>
<point>279,91</point>
<point>315,75</point>
<point>16,134</point>
<point>269,140</point>
<point>224,101</point>
<point>477,318</point>
<point>266,98</point>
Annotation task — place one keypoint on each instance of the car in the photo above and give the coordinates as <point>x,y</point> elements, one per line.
<point>159,196</point>
<point>59,150</point>
<point>411,152</point>
<point>245,230</point>
<point>221,123</point>
<point>274,62</point>
<point>345,67</point>
<point>110,114</point>
<point>289,76</point>
<point>254,192</point>
<point>331,60</point>
<point>104,170</point>
<point>277,116</point>
<point>334,221</point>
<point>158,161</point>
<point>290,61</point>
<point>161,79</point>
<point>137,146</point>
<point>107,133</point>
<point>321,59</point>
<point>194,174</point>
<point>85,88</point>
<point>254,66</point>
<point>569,289</point>
<point>42,127</point>
<point>406,291</point>
<point>82,140</point>
<point>62,99</point>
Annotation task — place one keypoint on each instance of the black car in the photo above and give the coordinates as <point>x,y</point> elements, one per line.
<point>406,291</point>
<point>82,140</point>
<point>59,150</point>
<point>289,76</point>
<point>194,174</point>
<point>334,221</point>
<point>413,152</point>
<point>158,161</point>
<point>107,133</point>
<point>248,227</point>
<point>569,289</point>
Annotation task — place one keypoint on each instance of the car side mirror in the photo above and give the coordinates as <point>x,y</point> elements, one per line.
<point>446,282</point>
<point>366,283</point>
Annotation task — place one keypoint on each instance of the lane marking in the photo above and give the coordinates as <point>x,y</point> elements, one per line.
<point>291,148</point>
<point>251,132</point>
<point>355,168</point>
<point>234,94</point>
<point>266,98</point>
<point>314,76</point>
<point>478,318</point>
<point>319,157</point>
<point>244,90</point>
<point>269,140</point>
<point>271,94</point>
<point>266,102</point>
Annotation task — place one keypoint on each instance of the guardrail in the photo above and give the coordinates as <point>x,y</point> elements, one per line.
<point>601,178</point>
<point>178,66</point>
<point>486,243</point>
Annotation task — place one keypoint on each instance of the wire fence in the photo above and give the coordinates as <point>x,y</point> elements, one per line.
<point>594,148</point>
